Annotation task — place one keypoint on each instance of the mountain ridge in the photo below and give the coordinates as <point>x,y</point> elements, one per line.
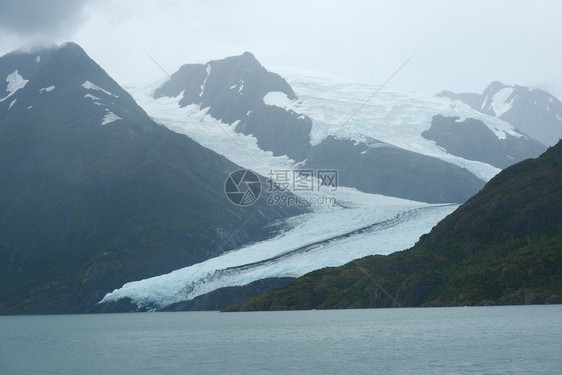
<point>285,127</point>
<point>95,193</point>
<point>535,112</point>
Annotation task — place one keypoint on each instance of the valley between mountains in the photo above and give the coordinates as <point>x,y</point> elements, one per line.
<point>113,198</point>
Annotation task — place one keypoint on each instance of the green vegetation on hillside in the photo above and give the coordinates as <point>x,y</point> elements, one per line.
<point>503,246</point>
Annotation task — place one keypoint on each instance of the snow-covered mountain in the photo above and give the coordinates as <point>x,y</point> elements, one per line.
<point>535,112</point>
<point>359,224</point>
<point>472,139</point>
<point>396,142</point>
<point>239,91</point>
<point>94,193</point>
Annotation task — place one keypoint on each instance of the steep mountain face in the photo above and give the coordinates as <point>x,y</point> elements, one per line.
<point>93,193</point>
<point>533,111</point>
<point>380,168</point>
<point>471,139</point>
<point>503,246</point>
<point>279,130</point>
<point>230,87</point>
<point>233,90</point>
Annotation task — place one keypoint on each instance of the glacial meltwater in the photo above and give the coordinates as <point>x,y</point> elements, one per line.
<point>469,340</point>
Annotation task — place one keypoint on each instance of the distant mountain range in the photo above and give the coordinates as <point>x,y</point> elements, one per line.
<point>503,246</point>
<point>240,92</point>
<point>93,193</point>
<point>535,112</point>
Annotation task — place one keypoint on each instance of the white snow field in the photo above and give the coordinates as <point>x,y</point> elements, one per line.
<point>358,225</point>
<point>395,116</point>
<point>15,82</point>
<point>109,118</point>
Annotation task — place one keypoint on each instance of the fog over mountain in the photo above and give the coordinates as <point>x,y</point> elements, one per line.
<point>458,46</point>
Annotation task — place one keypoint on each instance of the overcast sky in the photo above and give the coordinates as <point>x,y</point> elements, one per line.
<point>458,45</point>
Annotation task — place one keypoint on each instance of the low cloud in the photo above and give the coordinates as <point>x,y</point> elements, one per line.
<point>41,18</point>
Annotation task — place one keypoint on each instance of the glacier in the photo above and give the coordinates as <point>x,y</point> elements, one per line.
<point>395,116</point>
<point>362,225</point>
<point>359,225</point>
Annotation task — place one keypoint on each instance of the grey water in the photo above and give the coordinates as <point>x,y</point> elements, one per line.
<point>471,340</point>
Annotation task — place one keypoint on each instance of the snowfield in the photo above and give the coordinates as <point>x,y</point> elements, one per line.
<point>395,116</point>
<point>279,99</point>
<point>92,86</point>
<point>14,82</point>
<point>109,118</point>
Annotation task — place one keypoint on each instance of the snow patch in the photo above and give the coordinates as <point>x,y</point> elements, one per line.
<point>484,102</point>
<point>279,99</point>
<point>500,103</point>
<point>202,87</point>
<point>47,89</point>
<point>91,97</point>
<point>92,86</point>
<point>109,118</point>
<point>12,103</point>
<point>38,58</point>
<point>15,82</point>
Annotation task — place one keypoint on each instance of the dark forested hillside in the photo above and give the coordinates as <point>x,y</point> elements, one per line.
<point>503,246</point>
